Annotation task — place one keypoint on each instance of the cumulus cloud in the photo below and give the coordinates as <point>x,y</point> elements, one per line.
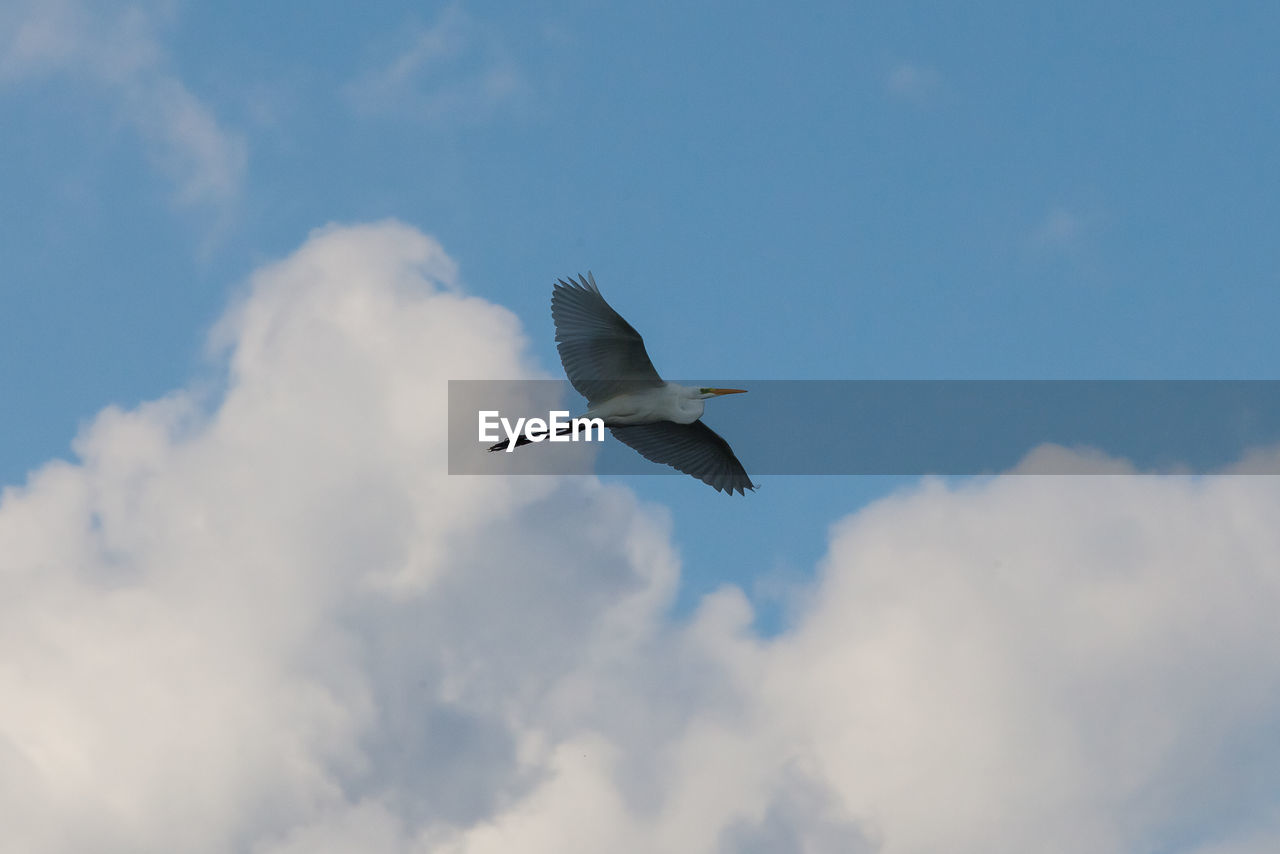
<point>1048,664</point>
<point>232,621</point>
<point>268,621</point>
<point>116,46</point>
<point>454,70</point>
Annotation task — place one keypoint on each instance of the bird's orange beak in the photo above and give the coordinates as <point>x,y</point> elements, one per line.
<point>718,391</point>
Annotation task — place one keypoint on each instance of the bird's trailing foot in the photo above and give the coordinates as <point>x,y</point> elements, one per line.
<point>502,446</point>
<point>524,439</point>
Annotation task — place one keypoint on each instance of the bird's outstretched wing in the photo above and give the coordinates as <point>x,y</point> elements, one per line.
<point>603,355</point>
<point>694,449</point>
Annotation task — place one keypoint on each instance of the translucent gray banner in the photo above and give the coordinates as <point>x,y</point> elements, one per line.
<point>908,427</point>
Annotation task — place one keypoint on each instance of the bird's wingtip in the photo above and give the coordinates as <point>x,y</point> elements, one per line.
<point>581,283</point>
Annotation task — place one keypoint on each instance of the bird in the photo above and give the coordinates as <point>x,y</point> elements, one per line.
<point>606,362</point>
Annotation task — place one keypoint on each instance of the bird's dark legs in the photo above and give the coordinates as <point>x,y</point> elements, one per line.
<point>525,440</point>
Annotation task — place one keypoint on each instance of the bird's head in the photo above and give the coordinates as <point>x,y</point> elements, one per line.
<point>704,393</point>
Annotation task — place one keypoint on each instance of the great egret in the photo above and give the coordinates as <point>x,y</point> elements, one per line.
<point>605,360</point>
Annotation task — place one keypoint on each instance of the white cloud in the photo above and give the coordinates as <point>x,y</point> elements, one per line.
<point>1048,664</point>
<point>271,623</point>
<point>455,70</point>
<point>222,627</point>
<point>116,47</point>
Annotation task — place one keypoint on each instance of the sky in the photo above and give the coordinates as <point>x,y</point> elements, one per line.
<point>245,608</point>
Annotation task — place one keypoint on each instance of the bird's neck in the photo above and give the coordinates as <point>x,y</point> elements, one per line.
<point>690,404</point>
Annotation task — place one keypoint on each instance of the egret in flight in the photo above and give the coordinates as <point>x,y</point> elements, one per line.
<point>605,360</point>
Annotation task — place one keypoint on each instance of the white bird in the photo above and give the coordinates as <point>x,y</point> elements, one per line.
<point>605,360</point>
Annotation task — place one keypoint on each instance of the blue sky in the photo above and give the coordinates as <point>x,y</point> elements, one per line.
<point>830,191</point>
<point>835,192</point>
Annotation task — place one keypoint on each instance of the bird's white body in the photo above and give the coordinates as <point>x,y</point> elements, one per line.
<point>668,402</point>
